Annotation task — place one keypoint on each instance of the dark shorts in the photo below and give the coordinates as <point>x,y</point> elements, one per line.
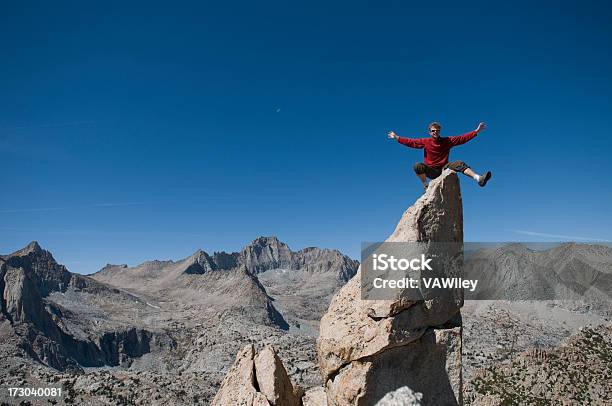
<point>432,173</point>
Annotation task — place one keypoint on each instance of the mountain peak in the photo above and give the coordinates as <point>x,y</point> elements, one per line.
<point>32,247</point>
<point>266,253</point>
<point>262,240</point>
<point>199,256</point>
<point>199,253</point>
<point>200,262</point>
<point>41,268</point>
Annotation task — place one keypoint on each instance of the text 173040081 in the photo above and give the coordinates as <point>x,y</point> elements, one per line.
<point>35,392</point>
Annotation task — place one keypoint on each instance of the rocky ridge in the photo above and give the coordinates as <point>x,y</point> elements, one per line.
<point>261,255</point>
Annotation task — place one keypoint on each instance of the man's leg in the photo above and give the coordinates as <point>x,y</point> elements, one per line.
<point>469,172</point>
<point>420,169</point>
<point>460,166</point>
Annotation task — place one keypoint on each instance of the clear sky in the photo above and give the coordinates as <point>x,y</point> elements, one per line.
<point>148,131</point>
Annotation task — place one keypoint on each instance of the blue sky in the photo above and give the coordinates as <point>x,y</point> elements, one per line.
<point>148,131</point>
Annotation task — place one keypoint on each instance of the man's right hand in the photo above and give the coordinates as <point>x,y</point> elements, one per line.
<point>392,135</point>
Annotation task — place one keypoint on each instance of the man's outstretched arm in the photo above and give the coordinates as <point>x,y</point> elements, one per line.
<point>409,142</point>
<point>462,139</point>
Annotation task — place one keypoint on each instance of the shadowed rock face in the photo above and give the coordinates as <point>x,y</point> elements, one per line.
<point>368,348</point>
<point>47,274</point>
<point>201,264</point>
<point>28,277</point>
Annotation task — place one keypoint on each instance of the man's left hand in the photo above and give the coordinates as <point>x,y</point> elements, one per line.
<point>481,127</point>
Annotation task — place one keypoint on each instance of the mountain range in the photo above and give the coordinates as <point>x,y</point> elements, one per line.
<point>164,316</point>
<point>172,328</point>
<point>568,272</point>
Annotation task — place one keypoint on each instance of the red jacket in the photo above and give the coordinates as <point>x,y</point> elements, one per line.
<point>436,151</point>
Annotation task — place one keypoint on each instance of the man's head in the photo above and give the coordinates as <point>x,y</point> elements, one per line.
<point>434,130</point>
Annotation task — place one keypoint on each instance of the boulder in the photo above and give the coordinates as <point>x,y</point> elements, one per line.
<point>404,396</point>
<point>273,380</point>
<point>257,380</point>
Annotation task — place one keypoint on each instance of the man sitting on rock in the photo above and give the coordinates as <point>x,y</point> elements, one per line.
<point>436,153</point>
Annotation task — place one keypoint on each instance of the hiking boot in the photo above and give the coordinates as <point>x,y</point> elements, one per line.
<point>484,178</point>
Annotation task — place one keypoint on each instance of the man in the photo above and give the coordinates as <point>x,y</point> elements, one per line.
<point>437,149</point>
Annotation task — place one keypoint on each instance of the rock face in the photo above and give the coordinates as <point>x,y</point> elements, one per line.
<point>369,348</point>
<point>258,380</point>
<point>55,335</point>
